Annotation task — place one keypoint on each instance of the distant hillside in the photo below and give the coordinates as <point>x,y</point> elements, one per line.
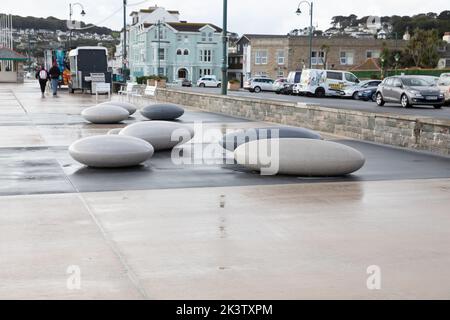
<point>52,23</point>
<point>399,24</point>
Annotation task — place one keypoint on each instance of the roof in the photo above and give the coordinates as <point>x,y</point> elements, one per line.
<point>11,55</point>
<point>74,52</point>
<point>187,27</point>
<point>249,36</point>
<point>153,9</point>
<point>369,64</point>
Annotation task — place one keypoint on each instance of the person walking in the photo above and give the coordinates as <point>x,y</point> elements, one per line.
<point>55,73</point>
<point>42,76</point>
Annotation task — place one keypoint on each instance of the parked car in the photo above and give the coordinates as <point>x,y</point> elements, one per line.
<point>279,84</point>
<point>354,91</point>
<point>186,83</point>
<point>293,79</point>
<point>259,84</point>
<point>409,91</point>
<point>321,83</point>
<point>209,81</point>
<point>368,94</point>
<point>444,86</point>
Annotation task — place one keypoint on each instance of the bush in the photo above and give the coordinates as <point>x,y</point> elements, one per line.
<point>234,81</point>
<point>143,80</point>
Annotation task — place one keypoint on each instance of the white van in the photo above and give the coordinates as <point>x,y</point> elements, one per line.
<point>326,82</point>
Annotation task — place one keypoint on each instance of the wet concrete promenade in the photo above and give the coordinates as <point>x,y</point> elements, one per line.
<point>209,231</point>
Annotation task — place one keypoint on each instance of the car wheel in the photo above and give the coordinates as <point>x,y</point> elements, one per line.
<point>257,89</point>
<point>219,85</point>
<point>380,101</point>
<point>374,97</point>
<point>355,96</point>
<point>404,101</point>
<point>438,106</point>
<point>202,85</point>
<point>320,92</point>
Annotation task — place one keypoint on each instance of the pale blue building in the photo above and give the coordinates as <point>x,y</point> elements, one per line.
<point>180,50</point>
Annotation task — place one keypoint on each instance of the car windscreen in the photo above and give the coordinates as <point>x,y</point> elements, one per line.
<point>416,82</point>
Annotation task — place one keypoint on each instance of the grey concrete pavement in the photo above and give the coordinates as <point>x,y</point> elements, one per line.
<point>339,103</point>
<point>209,231</point>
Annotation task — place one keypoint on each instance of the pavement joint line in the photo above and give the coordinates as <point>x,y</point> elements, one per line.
<point>129,271</point>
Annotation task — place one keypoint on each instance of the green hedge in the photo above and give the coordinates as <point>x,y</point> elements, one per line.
<point>143,80</point>
<point>376,74</point>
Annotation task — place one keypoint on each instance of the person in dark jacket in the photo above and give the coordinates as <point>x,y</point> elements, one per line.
<point>55,73</point>
<point>42,76</point>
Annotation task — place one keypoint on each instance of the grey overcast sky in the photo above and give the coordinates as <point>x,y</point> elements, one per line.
<point>245,16</point>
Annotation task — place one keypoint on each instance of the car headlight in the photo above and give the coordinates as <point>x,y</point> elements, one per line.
<point>367,91</point>
<point>416,93</point>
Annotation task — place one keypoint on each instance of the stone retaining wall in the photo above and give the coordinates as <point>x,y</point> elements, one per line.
<point>396,130</point>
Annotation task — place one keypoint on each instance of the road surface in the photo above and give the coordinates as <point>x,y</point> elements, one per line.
<point>340,103</point>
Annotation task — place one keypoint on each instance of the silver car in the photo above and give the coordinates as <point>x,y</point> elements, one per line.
<point>259,84</point>
<point>409,91</point>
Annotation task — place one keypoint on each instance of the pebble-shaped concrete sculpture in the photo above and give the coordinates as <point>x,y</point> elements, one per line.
<point>107,114</point>
<point>233,140</point>
<point>165,112</point>
<point>300,157</point>
<point>114,131</point>
<point>111,151</point>
<point>131,108</point>
<point>162,135</point>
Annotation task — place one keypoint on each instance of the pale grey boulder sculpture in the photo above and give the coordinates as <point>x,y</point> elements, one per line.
<point>165,112</point>
<point>107,114</point>
<point>131,108</point>
<point>233,140</point>
<point>162,135</point>
<point>299,157</point>
<point>111,151</point>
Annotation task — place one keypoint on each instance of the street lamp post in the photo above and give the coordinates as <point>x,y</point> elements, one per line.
<point>311,32</point>
<point>124,46</point>
<point>225,49</point>
<point>83,13</point>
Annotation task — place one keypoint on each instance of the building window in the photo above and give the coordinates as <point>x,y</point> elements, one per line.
<point>179,52</point>
<point>261,57</point>
<point>280,72</point>
<point>210,37</point>
<point>280,57</point>
<point>161,71</point>
<point>205,55</point>
<point>317,58</point>
<point>346,58</point>
<point>203,36</point>
<point>162,54</point>
<point>186,52</point>
<point>373,54</point>
<point>205,72</point>
<point>179,38</point>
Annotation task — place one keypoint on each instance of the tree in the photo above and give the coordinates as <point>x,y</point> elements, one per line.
<point>423,48</point>
<point>326,51</point>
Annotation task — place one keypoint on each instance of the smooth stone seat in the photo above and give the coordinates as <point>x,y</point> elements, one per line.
<point>107,114</point>
<point>160,133</point>
<point>111,151</point>
<point>114,131</point>
<point>300,157</point>
<point>233,140</point>
<point>165,112</point>
<point>131,108</point>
